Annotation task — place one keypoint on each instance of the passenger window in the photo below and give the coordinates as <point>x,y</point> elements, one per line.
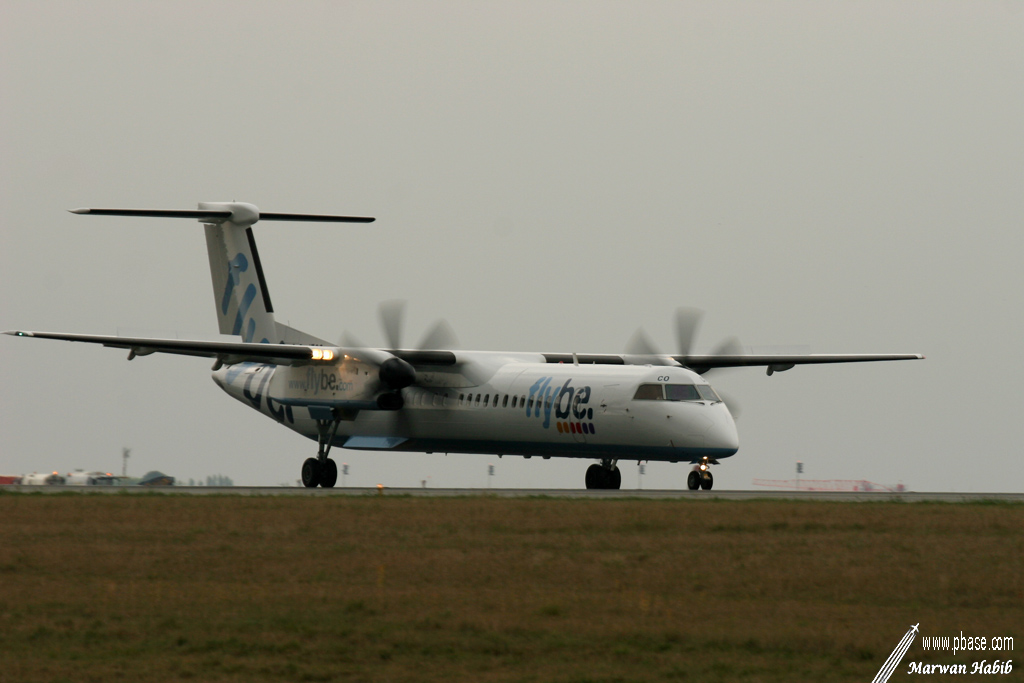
<point>478,400</point>
<point>486,399</point>
<point>461,398</point>
<point>514,401</point>
<point>504,402</point>
<point>649,392</point>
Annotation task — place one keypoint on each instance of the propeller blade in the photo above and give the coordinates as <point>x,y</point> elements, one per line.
<point>392,314</point>
<point>400,422</point>
<point>729,347</point>
<point>730,403</point>
<point>641,346</point>
<point>349,341</point>
<point>441,337</point>
<point>687,323</point>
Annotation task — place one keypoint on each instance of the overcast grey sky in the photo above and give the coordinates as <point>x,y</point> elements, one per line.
<point>546,176</point>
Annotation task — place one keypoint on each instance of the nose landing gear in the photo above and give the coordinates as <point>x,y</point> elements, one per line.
<point>604,476</point>
<point>700,477</point>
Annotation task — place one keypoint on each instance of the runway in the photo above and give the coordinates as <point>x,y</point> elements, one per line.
<point>651,494</point>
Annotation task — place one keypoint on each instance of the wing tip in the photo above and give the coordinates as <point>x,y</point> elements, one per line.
<point>79,211</point>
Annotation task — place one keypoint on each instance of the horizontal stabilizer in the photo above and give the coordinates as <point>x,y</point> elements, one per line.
<point>221,215</point>
<point>314,218</point>
<point>214,216</point>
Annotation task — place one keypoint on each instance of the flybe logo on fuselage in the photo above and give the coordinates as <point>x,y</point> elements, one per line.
<point>564,401</point>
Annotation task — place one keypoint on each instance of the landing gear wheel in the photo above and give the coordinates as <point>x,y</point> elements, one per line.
<point>601,477</point>
<point>707,481</point>
<point>693,480</point>
<point>328,474</point>
<point>614,478</point>
<point>311,471</point>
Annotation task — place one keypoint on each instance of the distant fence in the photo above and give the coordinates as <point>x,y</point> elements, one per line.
<point>829,485</point>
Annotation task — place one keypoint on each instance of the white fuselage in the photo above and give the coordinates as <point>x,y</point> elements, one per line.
<point>506,404</point>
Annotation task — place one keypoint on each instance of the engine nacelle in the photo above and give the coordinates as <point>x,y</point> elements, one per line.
<point>390,401</point>
<point>396,374</point>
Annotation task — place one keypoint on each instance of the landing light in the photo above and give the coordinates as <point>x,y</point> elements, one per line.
<point>322,354</point>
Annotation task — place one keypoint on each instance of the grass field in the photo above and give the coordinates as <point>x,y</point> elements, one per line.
<point>233,588</point>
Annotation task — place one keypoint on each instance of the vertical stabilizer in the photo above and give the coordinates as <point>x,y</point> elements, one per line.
<point>239,287</point>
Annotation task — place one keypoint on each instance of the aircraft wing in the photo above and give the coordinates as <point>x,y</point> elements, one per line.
<point>778,363</point>
<point>225,352</point>
<point>701,364</point>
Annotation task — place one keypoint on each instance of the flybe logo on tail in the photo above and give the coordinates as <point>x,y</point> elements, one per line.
<point>236,267</point>
<point>564,401</point>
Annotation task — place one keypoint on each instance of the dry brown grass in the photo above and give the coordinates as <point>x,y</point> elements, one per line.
<point>155,587</point>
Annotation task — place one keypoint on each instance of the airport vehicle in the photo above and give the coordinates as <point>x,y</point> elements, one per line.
<point>640,405</point>
<point>83,478</point>
<point>42,479</point>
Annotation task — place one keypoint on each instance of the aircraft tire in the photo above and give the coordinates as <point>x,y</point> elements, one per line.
<point>311,473</point>
<point>707,481</point>
<point>693,481</point>
<point>593,477</point>
<point>614,480</point>
<point>328,474</point>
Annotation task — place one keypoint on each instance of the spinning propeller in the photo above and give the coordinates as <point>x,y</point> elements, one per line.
<point>395,372</point>
<point>641,350</point>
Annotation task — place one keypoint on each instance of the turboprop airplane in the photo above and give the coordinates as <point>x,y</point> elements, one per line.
<point>640,405</point>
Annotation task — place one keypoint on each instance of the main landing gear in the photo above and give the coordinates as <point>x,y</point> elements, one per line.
<point>700,478</point>
<point>604,476</point>
<point>321,470</point>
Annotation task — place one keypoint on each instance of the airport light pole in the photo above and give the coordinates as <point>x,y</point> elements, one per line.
<point>799,471</point>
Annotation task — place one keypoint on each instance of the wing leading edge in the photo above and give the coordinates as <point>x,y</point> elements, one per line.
<point>701,364</point>
<point>225,352</point>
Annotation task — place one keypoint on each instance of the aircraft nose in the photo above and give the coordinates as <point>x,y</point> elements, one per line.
<point>722,434</point>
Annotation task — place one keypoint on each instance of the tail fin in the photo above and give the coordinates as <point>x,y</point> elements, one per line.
<point>239,287</point>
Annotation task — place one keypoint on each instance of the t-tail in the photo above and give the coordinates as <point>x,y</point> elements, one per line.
<point>240,291</point>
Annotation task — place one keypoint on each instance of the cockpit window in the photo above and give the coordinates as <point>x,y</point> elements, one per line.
<point>682,392</point>
<point>649,392</point>
<point>676,392</point>
<point>707,393</point>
